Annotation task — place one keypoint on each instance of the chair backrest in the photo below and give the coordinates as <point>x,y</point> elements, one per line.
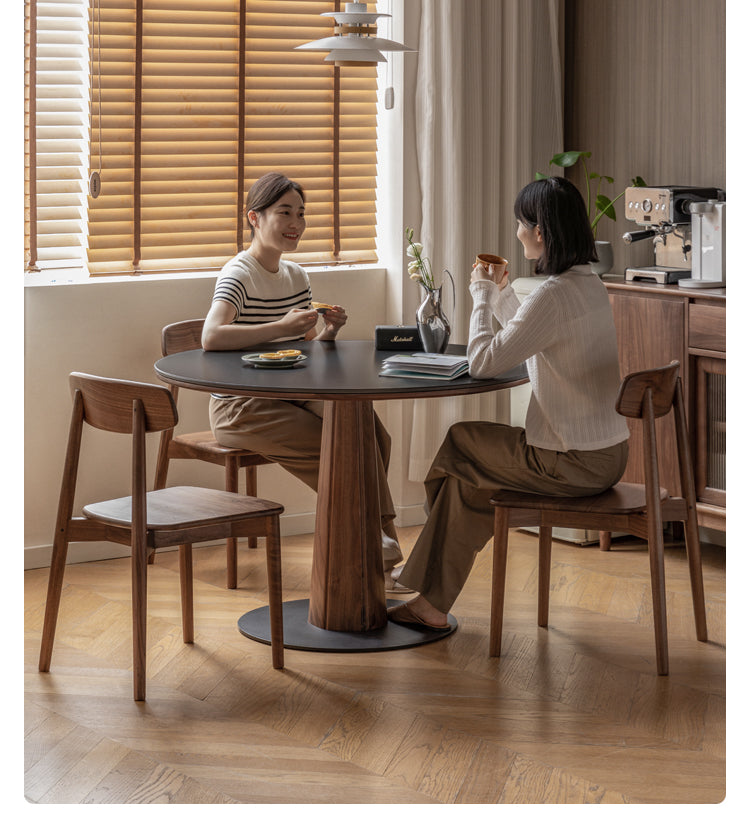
<point>662,383</point>
<point>647,395</point>
<point>108,403</point>
<point>183,336</point>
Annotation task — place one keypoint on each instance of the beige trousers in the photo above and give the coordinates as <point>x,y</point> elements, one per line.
<point>475,460</point>
<point>289,432</point>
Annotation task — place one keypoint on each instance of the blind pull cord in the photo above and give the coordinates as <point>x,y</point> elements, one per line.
<point>95,179</point>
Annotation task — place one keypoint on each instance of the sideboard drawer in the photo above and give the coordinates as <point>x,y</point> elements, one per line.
<point>707,327</point>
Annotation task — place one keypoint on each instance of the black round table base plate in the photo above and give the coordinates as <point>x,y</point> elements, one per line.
<point>299,634</point>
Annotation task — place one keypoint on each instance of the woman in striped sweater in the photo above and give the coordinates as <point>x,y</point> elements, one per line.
<point>574,443</point>
<point>261,297</point>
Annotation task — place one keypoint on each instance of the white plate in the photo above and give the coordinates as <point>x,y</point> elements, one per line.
<point>264,363</point>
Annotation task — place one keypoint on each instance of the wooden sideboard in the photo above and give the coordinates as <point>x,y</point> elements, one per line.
<point>658,323</point>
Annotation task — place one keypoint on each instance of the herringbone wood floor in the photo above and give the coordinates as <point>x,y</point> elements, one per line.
<point>571,714</point>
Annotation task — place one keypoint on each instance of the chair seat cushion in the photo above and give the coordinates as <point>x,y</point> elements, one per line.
<point>183,507</point>
<point>622,498</point>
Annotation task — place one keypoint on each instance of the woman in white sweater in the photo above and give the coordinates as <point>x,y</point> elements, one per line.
<point>574,442</point>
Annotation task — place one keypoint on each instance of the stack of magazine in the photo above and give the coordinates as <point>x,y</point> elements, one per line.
<point>423,365</point>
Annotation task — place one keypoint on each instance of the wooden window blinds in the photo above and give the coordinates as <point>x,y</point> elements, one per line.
<point>192,101</point>
<point>57,124</point>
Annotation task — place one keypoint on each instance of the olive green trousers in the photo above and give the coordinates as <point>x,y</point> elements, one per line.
<point>475,460</point>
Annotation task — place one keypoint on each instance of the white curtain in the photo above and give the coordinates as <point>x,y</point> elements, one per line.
<point>488,115</point>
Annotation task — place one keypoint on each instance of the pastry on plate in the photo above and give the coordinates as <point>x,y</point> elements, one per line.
<point>281,355</point>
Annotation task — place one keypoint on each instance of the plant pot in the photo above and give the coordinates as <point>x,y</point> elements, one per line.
<point>606,258</point>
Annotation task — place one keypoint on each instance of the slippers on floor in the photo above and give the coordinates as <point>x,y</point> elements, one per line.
<point>393,587</point>
<point>403,614</point>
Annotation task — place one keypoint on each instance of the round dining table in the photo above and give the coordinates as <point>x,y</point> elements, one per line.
<point>346,610</point>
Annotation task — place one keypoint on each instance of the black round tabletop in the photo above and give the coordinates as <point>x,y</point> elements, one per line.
<point>342,369</point>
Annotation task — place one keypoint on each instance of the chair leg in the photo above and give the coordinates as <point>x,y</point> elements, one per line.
<point>162,468</point>
<point>186,591</point>
<point>693,547</point>
<point>605,540</point>
<point>655,533</point>
<point>499,566</point>
<point>690,524</point>
<point>231,484</point>
<point>658,596</point>
<point>251,489</point>
<point>273,567</point>
<point>61,540</point>
<point>52,607</point>
<point>545,563</point>
<point>139,595</point>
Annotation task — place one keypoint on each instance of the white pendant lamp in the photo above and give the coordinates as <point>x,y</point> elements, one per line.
<point>355,40</point>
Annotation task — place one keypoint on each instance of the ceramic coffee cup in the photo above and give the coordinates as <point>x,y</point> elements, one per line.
<point>485,259</point>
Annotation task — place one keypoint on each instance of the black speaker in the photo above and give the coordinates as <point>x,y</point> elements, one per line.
<point>398,339</point>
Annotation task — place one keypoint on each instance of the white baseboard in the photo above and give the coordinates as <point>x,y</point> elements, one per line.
<point>410,515</point>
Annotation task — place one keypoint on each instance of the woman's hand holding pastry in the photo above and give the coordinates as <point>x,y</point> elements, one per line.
<point>333,319</point>
<point>298,321</point>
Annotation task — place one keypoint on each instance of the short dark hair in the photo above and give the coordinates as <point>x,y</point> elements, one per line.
<point>556,207</point>
<point>267,191</point>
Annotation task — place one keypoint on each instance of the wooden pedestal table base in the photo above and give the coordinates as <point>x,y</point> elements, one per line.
<point>347,607</point>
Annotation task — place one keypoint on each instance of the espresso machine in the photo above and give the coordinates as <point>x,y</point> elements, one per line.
<point>666,216</point>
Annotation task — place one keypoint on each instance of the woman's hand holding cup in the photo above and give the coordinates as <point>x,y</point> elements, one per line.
<point>489,267</point>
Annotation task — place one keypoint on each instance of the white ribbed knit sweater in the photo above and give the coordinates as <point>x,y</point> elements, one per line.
<point>565,333</point>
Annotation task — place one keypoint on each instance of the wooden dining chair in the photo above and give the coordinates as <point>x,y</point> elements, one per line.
<point>202,445</point>
<point>639,510</point>
<point>169,517</point>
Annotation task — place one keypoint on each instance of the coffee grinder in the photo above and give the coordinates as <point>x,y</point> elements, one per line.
<point>665,214</point>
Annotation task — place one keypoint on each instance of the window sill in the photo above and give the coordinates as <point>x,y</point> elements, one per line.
<point>76,276</point>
